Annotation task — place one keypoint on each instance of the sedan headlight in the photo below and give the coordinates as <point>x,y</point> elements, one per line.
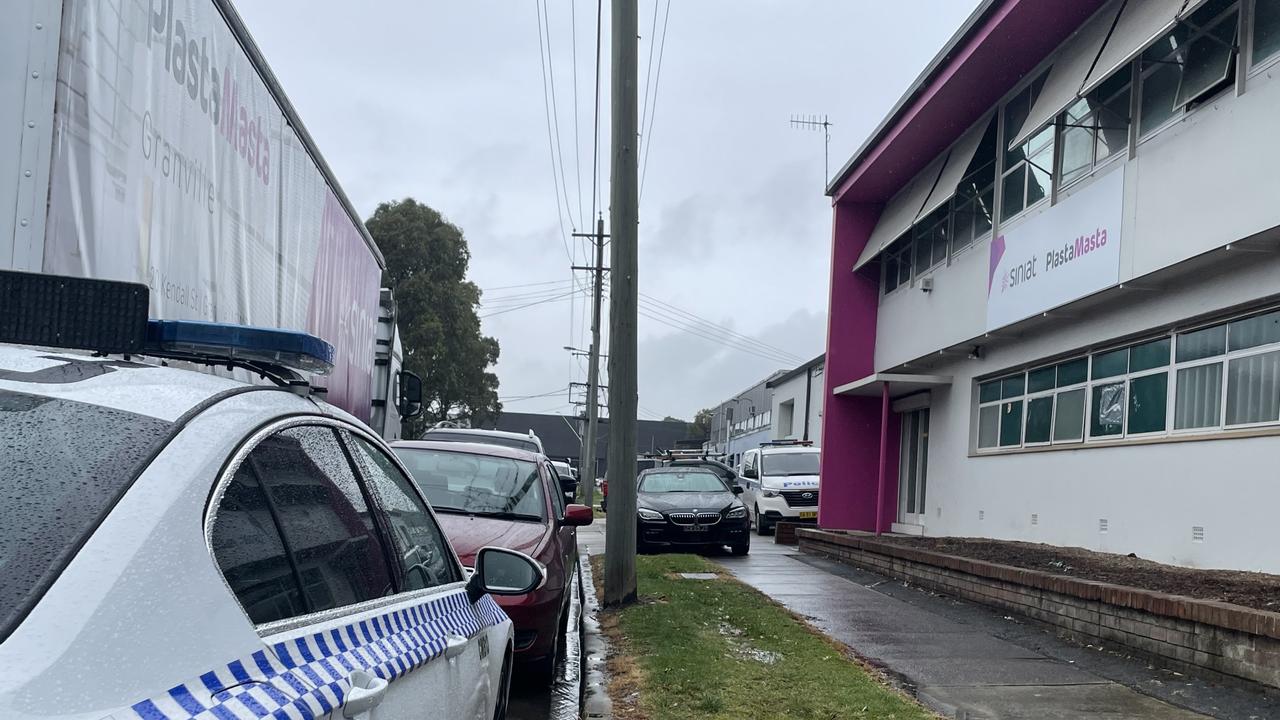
<point>650,515</point>
<point>737,513</point>
<point>770,493</point>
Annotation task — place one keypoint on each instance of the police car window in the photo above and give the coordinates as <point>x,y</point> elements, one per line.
<point>63,466</point>
<point>424,555</point>
<point>323,516</point>
<point>246,543</point>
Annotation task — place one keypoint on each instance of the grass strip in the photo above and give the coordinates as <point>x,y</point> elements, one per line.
<point>720,649</point>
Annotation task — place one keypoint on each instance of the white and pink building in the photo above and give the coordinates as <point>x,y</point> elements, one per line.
<point>1055,290</point>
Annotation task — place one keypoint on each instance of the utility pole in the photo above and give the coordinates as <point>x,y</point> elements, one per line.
<point>587,461</point>
<point>620,534</point>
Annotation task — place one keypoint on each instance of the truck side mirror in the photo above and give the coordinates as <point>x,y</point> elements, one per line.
<point>409,403</point>
<point>750,473</point>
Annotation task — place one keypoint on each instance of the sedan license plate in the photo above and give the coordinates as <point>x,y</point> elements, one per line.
<point>695,528</point>
<point>808,514</point>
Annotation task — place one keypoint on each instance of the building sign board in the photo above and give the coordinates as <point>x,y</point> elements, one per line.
<point>1063,254</point>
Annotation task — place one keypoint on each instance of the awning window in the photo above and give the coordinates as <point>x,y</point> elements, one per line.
<point>1141,22</point>
<point>957,166</point>
<point>901,211</point>
<point>1068,73</point>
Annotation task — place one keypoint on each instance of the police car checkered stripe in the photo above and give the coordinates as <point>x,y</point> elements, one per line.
<point>308,677</point>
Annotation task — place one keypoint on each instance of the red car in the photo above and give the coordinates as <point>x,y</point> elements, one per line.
<point>488,495</point>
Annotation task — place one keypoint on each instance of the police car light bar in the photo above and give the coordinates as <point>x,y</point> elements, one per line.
<point>214,343</point>
<point>69,312</point>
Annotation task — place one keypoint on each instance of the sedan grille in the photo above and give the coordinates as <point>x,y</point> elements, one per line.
<point>688,518</point>
<point>801,498</point>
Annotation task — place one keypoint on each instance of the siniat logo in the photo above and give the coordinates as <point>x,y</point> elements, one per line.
<point>187,59</point>
<point>1024,272</point>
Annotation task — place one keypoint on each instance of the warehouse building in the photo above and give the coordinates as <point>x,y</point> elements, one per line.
<point>1055,292</point>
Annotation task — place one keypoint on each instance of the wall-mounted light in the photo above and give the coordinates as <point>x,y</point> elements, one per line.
<point>976,353</point>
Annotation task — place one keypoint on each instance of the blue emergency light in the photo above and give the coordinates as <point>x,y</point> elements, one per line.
<point>110,317</point>
<point>217,342</point>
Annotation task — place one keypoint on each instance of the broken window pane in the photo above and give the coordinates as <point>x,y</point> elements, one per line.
<point>1011,423</point>
<point>1107,417</point>
<point>1148,401</point>
<point>1039,419</point>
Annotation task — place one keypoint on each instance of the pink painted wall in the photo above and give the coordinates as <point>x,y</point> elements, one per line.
<point>851,425</point>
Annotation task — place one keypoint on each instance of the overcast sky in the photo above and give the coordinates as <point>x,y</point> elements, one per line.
<point>445,102</point>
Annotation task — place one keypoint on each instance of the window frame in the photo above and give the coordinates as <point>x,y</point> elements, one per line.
<point>1170,369</point>
<point>1004,170</point>
<point>1246,41</point>
<point>240,455</point>
<point>1093,115</point>
<point>1181,112</point>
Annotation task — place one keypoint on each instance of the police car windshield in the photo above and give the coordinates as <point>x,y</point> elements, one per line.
<point>799,463</point>
<point>514,443</point>
<point>477,484</point>
<point>63,467</point>
<point>681,481</point>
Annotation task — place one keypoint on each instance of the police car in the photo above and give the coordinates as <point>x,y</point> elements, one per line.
<point>175,544</point>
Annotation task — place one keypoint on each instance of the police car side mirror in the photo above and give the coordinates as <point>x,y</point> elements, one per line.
<point>409,403</point>
<point>504,572</point>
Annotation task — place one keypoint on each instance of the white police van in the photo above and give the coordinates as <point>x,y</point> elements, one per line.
<point>174,544</point>
<point>781,480</point>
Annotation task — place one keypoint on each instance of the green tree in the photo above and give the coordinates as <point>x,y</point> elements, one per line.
<point>427,260</point>
<point>701,425</point>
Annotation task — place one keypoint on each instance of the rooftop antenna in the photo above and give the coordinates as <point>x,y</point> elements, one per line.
<point>817,122</point>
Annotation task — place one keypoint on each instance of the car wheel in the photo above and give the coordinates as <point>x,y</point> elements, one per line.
<point>740,550</point>
<point>504,690</point>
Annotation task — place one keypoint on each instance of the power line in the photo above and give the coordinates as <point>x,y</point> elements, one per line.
<point>524,285</point>
<point>528,305</point>
<point>488,300</point>
<point>577,144</point>
<point>721,328</point>
<point>648,134</point>
<point>648,75</point>
<point>518,398</point>
<point>551,145</point>
<point>595,141</point>
<point>659,316</point>
<point>555,114</point>
<point>684,316</point>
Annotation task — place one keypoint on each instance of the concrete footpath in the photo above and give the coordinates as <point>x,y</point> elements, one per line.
<point>966,661</point>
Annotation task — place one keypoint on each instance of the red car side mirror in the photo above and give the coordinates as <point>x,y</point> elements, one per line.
<point>578,515</point>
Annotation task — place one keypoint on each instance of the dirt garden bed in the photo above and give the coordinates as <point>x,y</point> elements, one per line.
<point>1249,589</point>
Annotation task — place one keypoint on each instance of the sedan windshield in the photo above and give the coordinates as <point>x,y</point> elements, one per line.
<point>677,481</point>
<point>63,467</point>
<point>790,464</point>
<point>477,484</point>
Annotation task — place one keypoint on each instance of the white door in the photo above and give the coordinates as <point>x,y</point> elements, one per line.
<point>363,602</point>
<point>913,467</point>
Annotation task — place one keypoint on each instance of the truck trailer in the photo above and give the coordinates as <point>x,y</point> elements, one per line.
<point>149,141</point>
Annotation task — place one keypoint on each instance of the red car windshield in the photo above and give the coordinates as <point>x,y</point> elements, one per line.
<point>477,484</point>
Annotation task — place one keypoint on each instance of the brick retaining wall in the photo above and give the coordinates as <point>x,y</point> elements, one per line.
<point>1186,633</point>
<point>784,533</point>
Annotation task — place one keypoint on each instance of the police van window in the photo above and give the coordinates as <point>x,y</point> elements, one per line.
<point>63,466</point>
<point>323,516</point>
<point>425,559</point>
<point>247,546</point>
